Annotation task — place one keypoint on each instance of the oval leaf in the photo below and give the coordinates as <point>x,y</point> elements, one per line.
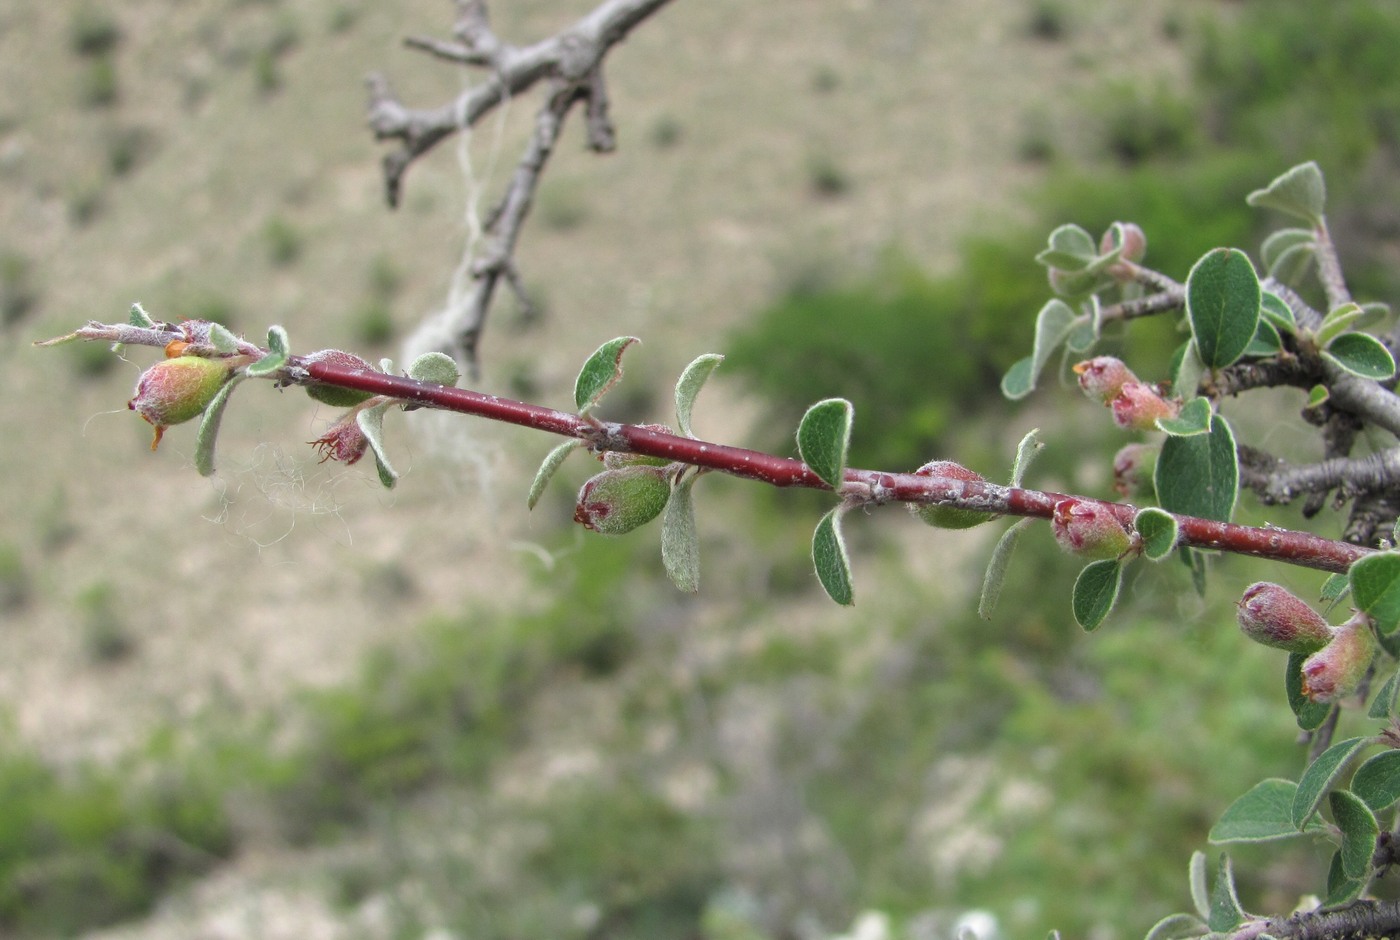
<point>1222,304</point>
<point>829,558</point>
<point>278,342</point>
<point>1178,927</point>
<point>1377,781</point>
<point>1019,381</point>
<point>266,365</point>
<point>1310,714</point>
<point>1375,588</point>
<point>996,568</point>
<point>436,368</point>
<point>1266,342</point>
<point>1340,888</point>
<point>1262,814</point>
<point>1320,776</point>
<point>1200,895</point>
<point>371,423</point>
<point>1096,591</point>
<point>1359,831</point>
<point>1361,354</point>
<point>551,464</point>
<point>1383,704</point>
<point>1337,321</point>
<point>689,385</point>
<point>600,373</point>
<point>1283,241</point>
<point>1199,475</point>
<point>1053,325</point>
<point>1273,309</point>
<point>1158,530</point>
<point>1026,451</point>
<point>1194,418</point>
<point>1071,249</point>
<point>1299,192</point>
<point>208,432</point>
<point>823,438</point>
<point>1186,369</point>
<point>680,544</point>
<point>1225,910</point>
<point>221,339</point>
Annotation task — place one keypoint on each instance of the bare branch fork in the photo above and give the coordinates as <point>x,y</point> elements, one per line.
<point>571,63</point>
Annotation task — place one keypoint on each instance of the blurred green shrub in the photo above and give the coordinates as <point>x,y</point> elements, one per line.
<point>18,293</point>
<point>97,82</point>
<point>93,31</point>
<point>283,241</point>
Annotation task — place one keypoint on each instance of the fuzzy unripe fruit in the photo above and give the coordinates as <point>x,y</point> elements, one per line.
<point>617,501</point>
<point>1133,467</point>
<point>334,395</point>
<point>343,441</point>
<point>949,517</point>
<point>1336,670</point>
<point>1138,406</point>
<point>1274,616</point>
<point>1089,530</point>
<point>1102,377</point>
<point>614,459</point>
<point>175,390</point>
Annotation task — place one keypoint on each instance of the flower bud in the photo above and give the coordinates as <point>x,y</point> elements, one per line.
<point>949,517</point>
<point>1133,467</point>
<point>614,459</point>
<point>344,441</point>
<point>617,501</point>
<point>1089,530</point>
<point>333,395</point>
<point>175,390</point>
<point>1102,377</point>
<point>1138,406</point>
<point>1336,670</point>
<point>1273,615</point>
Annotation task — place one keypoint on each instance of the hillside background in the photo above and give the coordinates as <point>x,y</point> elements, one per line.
<point>285,703</point>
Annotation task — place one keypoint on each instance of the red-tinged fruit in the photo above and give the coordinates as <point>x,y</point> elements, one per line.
<point>949,517</point>
<point>1089,530</point>
<point>1336,670</point>
<point>1138,406</point>
<point>1131,238</point>
<point>343,442</point>
<point>1274,616</point>
<point>175,390</point>
<point>1133,467</point>
<point>334,395</point>
<point>617,501</point>
<point>1102,377</point>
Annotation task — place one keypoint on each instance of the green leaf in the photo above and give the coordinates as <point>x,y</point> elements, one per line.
<point>1178,927</point>
<point>1375,588</point>
<point>208,432</point>
<point>1377,781</point>
<point>1053,324</point>
<point>689,385</point>
<point>1299,192</point>
<point>1222,304</point>
<point>996,568</point>
<point>1096,591</point>
<point>278,342</point>
<point>1195,562</point>
<point>1340,888</point>
<point>435,368</point>
<point>266,365</point>
<point>1359,831</point>
<point>1310,714</point>
<point>1263,814</point>
<point>371,424</point>
<point>1361,354</point>
<point>1199,475</point>
<point>1200,895</point>
<point>829,558</point>
<point>1019,380</point>
<point>1317,395</point>
<point>1071,249</point>
<point>1266,342</point>
<point>1273,309</point>
<point>1158,530</point>
<point>1026,451</point>
<point>1193,419</point>
<point>1085,331</point>
<point>1320,776</point>
<point>1334,588</point>
<point>1286,243</point>
<point>823,438</point>
<point>680,543</point>
<point>552,462</point>
<point>139,317</point>
<point>1225,910</point>
<point>1336,322</point>
<point>222,339</point>
<point>600,373</point>
<point>1383,703</point>
<point>1186,369</point>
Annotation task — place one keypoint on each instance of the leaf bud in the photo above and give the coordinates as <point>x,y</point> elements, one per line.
<point>617,501</point>
<point>1336,670</point>
<point>1133,467</point>
<point>949,517</point>
<point>1274,616</point>
<point>175,390</point>
<point>1138,406</point>
<point>1089,530</point>
<point>614,459</point>
<point>343,441</point>
<point>1102,377</point>
<point>334,395</point>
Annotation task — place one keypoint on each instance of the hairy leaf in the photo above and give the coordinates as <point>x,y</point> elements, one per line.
<point>1158,530</point>
<point>208,432</point>
<point>1200,894</point>
<point>600,373</point>
<point>1310,714</point>
<point>277,341</point>
<point>1361,354</point>
<point>1285,242</point>
<point>435,368</point>
<point>1359,831</point>
<point>1026,452</point>
<point>1273,309</point>
<point>688,386</point>
<point>1262,814</point>
<point>996,568</point>
<point>1225,910</point>
<point>1383,703</point>
<point>1096,591</point>
<point>1222,305</point>
<point>551,464</point>
<point>1178,927</point>
<point>1199,475</point>
<point>1193,419</point>
<point>823,438</point>
<point>680,543</point>
<point>1377,781</point>
<point>1320,776</point>
<point>1299,192</point>
<point>266,365</point>
<point>371,423</point>
<point>1375,588</point>
<point>222,339</point>
<point>1337,322</point>
<point>1340,888</point>
<point>139,317</point>
<point>1019,380</point>
<point>1071,249</point>
<point>830,560</point>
